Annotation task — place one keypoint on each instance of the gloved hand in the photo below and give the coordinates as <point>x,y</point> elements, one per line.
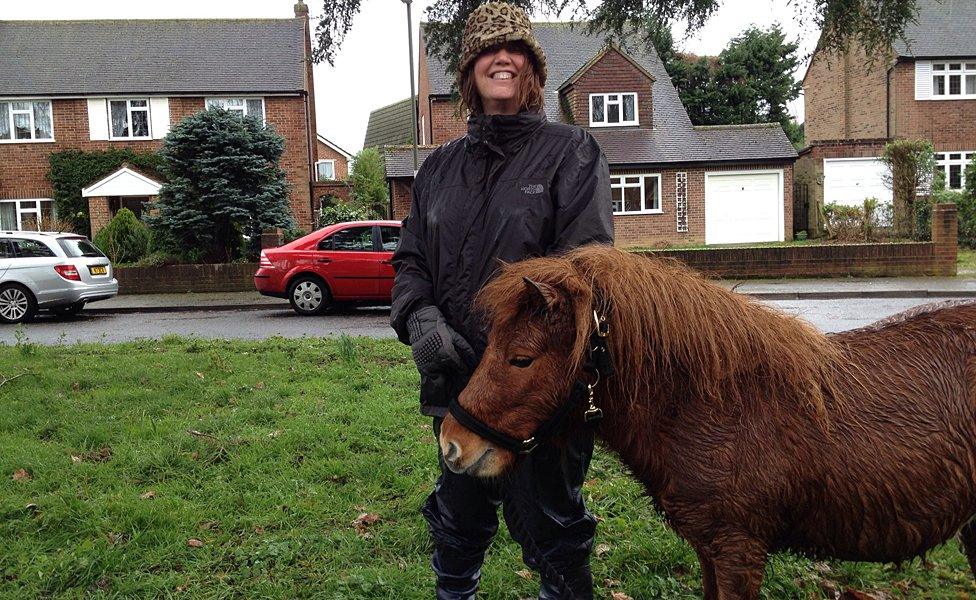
<point>436,347</point>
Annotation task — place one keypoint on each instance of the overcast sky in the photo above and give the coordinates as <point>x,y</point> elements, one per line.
<point>371,69</point>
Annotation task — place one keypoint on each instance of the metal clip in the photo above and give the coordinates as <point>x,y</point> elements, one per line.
<point>593,413</point>
<point>528,446</point>
<point>602,327</point>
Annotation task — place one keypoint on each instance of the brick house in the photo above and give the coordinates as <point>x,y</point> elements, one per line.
<point>671,182</point>
<point>98,85</point>
<point>924,88</point>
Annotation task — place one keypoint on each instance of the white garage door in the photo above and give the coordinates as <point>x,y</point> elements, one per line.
<point>743,207</point>
<point>849,181</point>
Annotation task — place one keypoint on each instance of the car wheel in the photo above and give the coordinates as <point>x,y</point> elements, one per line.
<point>309,295</point>
<point>17,304</point>
<point>68,310</point>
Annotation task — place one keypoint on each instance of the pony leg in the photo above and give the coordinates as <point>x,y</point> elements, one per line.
<point>739,563</point>
<point>968,538</point>
<point>709,587</point>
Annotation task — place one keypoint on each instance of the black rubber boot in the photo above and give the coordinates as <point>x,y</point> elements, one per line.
<point>577,584</point>
<point>457,574</point>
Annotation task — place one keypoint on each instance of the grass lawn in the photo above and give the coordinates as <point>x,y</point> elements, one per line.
<point>197,469</point>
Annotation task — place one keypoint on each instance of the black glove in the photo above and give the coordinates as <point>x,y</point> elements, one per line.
<point>436,347</point>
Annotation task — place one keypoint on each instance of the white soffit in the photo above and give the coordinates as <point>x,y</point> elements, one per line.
<point>124,182</point>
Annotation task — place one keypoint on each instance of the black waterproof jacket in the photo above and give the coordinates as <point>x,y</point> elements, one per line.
<point>515,187</point>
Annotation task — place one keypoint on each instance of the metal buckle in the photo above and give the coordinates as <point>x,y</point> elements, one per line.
<point>529,445</point>
<point>602,327</point>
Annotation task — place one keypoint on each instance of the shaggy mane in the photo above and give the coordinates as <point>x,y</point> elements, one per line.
<point>669,325</point>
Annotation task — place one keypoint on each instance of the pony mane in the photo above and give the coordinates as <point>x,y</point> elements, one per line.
<point>672,332</point>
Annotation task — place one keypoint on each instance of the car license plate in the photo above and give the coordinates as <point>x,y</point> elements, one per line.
<point>99,270</point>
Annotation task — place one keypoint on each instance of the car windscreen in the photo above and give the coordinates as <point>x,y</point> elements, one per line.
<point>76,247</point>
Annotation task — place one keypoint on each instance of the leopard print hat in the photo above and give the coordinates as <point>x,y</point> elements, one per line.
<point>495,23</point>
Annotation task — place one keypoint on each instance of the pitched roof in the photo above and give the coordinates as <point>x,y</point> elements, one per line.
<point>333,145</point>
<point>673,139</point>
<point>390,125</point>
<point>399,159</point>
<point>72,58</point>
<point>943,28</point>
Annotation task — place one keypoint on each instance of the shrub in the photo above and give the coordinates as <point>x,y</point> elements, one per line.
<point>967,219</point>
<point>125,239</point>
<point>854,223</point>
<point>340,212</point>
<point>909,166</point>
<point>369,181</point>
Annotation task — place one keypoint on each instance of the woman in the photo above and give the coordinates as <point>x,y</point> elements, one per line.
<point>515,187</point>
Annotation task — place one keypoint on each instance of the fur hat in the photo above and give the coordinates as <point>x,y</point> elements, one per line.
<point>496,23</point>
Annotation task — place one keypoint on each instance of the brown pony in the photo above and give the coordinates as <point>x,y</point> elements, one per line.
<point>752,431</point>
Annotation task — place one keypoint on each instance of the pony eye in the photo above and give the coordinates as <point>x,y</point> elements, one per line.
<point>520,362</point>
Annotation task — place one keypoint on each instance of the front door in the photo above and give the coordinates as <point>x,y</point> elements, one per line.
<point>347,262</point>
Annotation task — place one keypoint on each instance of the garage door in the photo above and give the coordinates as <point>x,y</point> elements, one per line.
<point>743,207</point>
<point>849,181</point>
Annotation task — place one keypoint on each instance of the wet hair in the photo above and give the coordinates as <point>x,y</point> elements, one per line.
<point>529,94</point>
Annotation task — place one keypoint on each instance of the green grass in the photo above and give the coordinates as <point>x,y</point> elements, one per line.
<point>267,452</point>
<point>966,263</point>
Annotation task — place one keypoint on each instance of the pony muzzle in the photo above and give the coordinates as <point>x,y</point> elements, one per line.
<point>465,452</point>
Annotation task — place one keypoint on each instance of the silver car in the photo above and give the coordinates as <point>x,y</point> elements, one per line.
<point>59,272</point>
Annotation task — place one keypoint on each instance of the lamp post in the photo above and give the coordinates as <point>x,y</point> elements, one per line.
<point>413,103</point>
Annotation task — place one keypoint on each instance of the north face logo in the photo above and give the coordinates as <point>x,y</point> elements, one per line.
<point>531,190</point>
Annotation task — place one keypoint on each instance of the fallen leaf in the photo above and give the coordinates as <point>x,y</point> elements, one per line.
<point>259,385</point>
<point>31,507</point>
<point>75,386</point>
<point>194,543</point>
<point>274,433</point>
<point>363,521</point>
<point>620,596</point>
<point>115,538</point>
<point>103,454</point>
<point>76,459</point>
<point>148,495</point>
<point>611,583</point>
<point>209,525</point>
<point>199,374</point>
<point>525,574</point>
<point>602,549</point>
<point>259,530</point>
<point>22,475</point>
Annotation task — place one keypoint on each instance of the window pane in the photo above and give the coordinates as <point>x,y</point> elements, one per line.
<point>22,105</point>
<point>391,237</point>
<point>629,107</point>
<point>32,249</point>
<point>970,84</point>
<point>632,199</point>
<point>938,85</point>
<point>955,156</point>
<point>8,216</point>
<point>137,103</point>
<point>42,120</point>
<point>633,180</point>
<point>358,239</point>
<point>598,109</point>
<point>214,103</point>
<point>616,196</point>
<point>613,113</point>
<point>650,193</point>
<point>140,123</point>
<point>28,205</point>
<point>22,128</point>
<point>955,85</point>
<point>255,108</point>
<point>955,177</point>
<point>4,120</point>
<point>120,119</point>
<point>971,66</point>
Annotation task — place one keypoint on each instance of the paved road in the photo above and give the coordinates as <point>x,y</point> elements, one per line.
<point>828,315</point>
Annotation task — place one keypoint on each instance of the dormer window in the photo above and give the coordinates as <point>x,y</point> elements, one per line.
<point>613,110</point>
<point>954,80</point>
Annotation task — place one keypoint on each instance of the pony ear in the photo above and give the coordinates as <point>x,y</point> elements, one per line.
<point>543,292</point>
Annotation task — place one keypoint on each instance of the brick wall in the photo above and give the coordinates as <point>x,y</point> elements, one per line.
<point>400,194</point>
<point>845,97</point>
<point>948,124</point>
<point>24,167</point>
<point>339,189</point>
<point>423,96</point>
<point>610,73</point>
<point>180,279</point>
<point>444,123</point>
<point>327,152</point>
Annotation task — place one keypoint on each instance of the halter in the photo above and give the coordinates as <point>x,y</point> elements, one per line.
<point>598,363</point>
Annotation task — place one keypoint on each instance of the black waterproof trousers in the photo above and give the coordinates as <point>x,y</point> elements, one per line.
<point>543,508</point>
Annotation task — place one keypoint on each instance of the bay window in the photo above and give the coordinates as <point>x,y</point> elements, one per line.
<point>635,194</point>
<point>26,120</point>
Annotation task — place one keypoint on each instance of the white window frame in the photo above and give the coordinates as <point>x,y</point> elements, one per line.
<point>221,102</point>
<point>10,121</point>
<point>942,70</point>
<point>128,116</point>
<point>618,182</point>
<point>619,102</point>
<point>327,160</point>
<point>943,162</point>
<point>22,212</point>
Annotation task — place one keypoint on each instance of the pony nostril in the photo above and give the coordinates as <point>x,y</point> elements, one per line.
<point>453,452</point>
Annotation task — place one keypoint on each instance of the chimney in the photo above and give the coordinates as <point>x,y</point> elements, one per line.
<point>301,10</point>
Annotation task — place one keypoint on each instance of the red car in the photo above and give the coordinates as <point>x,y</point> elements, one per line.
<point>345,262</point>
